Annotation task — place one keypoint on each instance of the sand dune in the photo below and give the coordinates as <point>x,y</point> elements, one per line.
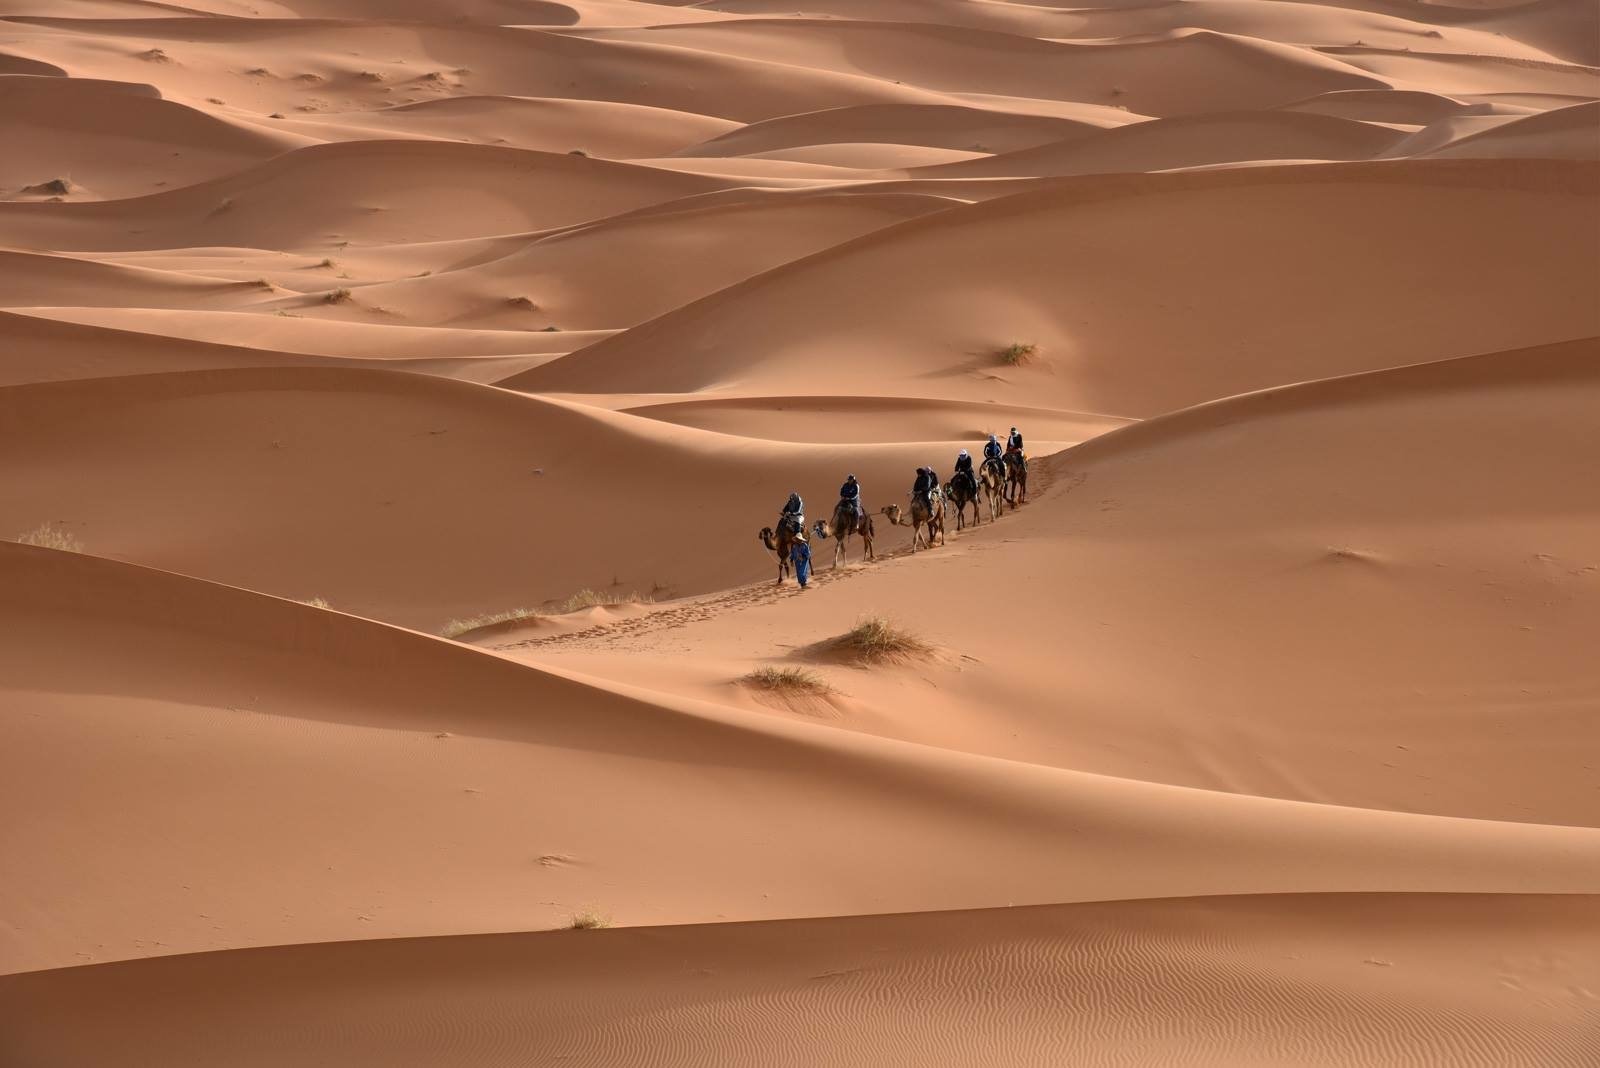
<point>598,128</point>
<point>1181,76</point>
<point>931,125</point>
<point>403,191</point>
<point>115,139</point>
<point>1390,980</point>
<point>1169,144</point>
<point>1336,256</point>
<point>343,66</point>
<point>516,471</point>
<point>1565,133</point>
<point>537,792</point>
<point>1269,526</point>
<point>625,270</point>
<point>1259,732</point>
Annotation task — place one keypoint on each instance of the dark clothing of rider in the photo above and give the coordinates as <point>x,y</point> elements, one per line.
<point>1015,441</point>
<point>794,510</point>
<point>850,494</point>
<point>992,449</point>
<point>926,480</point>
<point>964,464</point>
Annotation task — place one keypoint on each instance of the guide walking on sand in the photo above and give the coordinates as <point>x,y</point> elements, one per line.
<point>800,557</point>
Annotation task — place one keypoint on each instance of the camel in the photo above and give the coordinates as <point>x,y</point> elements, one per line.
<point>1016,478</point>
<point>925,512</point>
<point>780,543</point>
<point>846,521</point>
<point>993,481</point>
<point>960,495</point>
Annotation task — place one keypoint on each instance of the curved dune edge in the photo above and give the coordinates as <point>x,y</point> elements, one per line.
<point>1284,537</point>
<point>632,791</point>
<point>1381,979</point>
<point>1058,267</point>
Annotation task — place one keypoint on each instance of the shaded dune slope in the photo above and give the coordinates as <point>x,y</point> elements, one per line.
<point>1455,979</point>
<point>1146,293</point>
<point>621,797</point>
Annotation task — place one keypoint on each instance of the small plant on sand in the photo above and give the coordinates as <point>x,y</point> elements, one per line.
<point>522,302</point>
<point>789,680</point>
<point>457,627</point>
<point>337,296</point>
<point>594,599</point>
<point>876,640</point>
<point>49,536</point>
<point>315,602</point>
<point>1018,353</point>
<point>328,264</point>
<point>589,920</point>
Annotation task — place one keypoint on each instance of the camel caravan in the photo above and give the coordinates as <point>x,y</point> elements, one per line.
<point>1002,479</point>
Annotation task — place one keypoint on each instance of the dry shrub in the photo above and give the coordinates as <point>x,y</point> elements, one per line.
<point>789,680</point>
<point>1017,353</point>
<point>49,536</point>
<point>876,640</point>
<point>457,627</point>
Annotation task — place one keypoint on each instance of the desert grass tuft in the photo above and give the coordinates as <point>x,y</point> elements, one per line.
<point>457,627</point>
<point>1017,353</point>
<point>788,680</point>
<point>337,296</point>
<point>589,920</point>
<point>49,536</point>
<point>315,602</point>
<point>595,599</point>
<point>876,640</point>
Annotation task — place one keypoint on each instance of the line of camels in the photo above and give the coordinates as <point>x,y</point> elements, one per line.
<point>1000,482</point>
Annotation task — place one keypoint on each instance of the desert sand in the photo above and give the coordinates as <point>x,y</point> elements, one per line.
<point>390,398</point>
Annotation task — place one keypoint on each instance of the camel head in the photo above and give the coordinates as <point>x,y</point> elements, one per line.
<point>892,513</point>
<point>766,539</point>
<point>820,529</point>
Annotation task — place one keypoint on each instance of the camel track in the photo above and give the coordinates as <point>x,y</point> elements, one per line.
<point>694,610</point>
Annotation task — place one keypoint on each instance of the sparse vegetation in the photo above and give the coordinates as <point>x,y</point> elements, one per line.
<point>789,680</point>
<point>577,602</point>
<point>315,602</point>
<point>594,599</point>
<point>522,302</point>
<point>49,536</point>
<point>1018,353</point>
<point>155,55</point>
<point>589,920</point>
<point>327,263</point>
<point>337,296</point>
<point>457,627</point>
<point>876,640</point>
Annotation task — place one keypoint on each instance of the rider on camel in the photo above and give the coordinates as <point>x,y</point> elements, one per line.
<point>964,473</point>
<point>794,515</point>
<point>850,494</point>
